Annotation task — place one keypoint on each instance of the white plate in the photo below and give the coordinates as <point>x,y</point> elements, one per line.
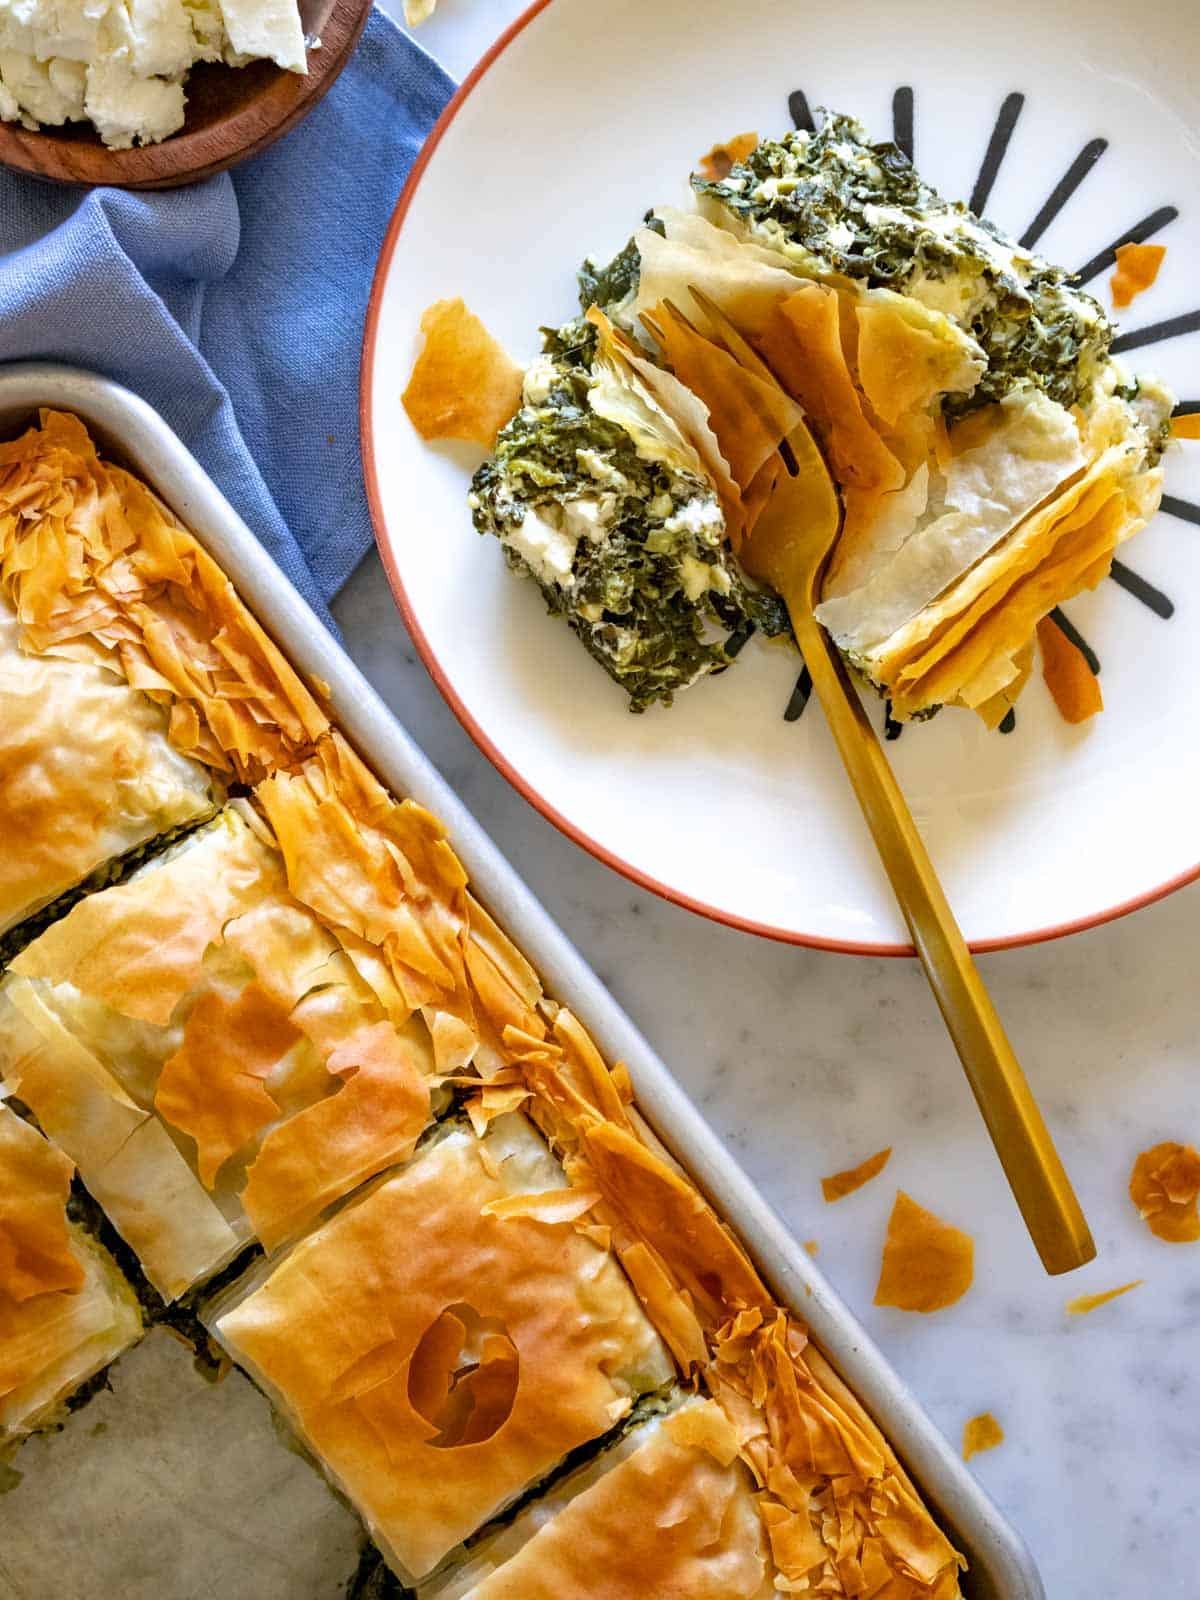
<point>585,114</point>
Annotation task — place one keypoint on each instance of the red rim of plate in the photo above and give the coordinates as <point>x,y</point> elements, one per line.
<point>493,753</point>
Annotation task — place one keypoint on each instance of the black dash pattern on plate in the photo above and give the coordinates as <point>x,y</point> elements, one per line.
<point>1063,190</point>
<point>902,120</point>
<point>736,642</point>
<point>997,149</point>
<point>891,728</point>
<point>1064,624</point>
<point>801,111</point>
<point>1133,583</point>
<point>1008,721</point>
<point>1172,328</point>
<point>1138,234</point>
<point>799,697</point>
<point>1185,510</point>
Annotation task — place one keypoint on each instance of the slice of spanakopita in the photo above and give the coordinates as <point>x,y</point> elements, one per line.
<point>205,1050</point>
<point>608,489</point>
<point>65,1310</point>
<point>87,774</point>
<point>443,1341</point>
<point>668,1510</point>
<point>1032,475</point>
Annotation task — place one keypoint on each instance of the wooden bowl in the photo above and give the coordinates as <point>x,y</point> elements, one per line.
<point>232,113</point>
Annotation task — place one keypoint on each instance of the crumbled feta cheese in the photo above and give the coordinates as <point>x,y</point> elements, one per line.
<point>594,464</point>
<point>48,92</point>
<point>698,577</point>
<point>549,552</point>
<point>122,63</point>
<point>694,576</point>
<point>208,28</point>
<point>540,378</point>
<point>129,110</point>
<point>52,29</point>
<point>840,236</point>
<point>266,28</point>
<point>10,107</point>
<point>157,35</point>
<point>955,295</point>
<point>701,515</point>
<point>587,519</point>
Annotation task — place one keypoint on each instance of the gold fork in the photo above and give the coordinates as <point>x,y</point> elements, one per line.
<point>788,549</point>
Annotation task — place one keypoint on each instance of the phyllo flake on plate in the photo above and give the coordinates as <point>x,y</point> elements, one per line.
<point>206,1051</point>
<point>446,1339</point>
<point>65,1310</point>
<point>668,1510</point>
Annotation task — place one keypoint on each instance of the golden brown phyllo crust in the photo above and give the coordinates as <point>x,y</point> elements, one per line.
<point>89,557</point>
<point>64,1311</point>
<point>94,563</point>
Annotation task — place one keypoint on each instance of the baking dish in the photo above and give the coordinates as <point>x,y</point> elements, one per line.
<point>132,432</point>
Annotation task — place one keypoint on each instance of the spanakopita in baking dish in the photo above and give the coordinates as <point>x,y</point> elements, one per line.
<point>308,1085</point>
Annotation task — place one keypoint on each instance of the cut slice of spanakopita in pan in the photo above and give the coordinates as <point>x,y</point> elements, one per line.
<point>444,1340</point>
<point>87,774</point>
<point>65,1310</point>
<point>209,1055</point>
<point>668,1510</point>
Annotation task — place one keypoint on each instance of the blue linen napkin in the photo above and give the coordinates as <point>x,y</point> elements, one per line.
<point>235,306</point>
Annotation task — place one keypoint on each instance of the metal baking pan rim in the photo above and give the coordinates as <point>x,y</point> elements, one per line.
<point>1001,1566</point>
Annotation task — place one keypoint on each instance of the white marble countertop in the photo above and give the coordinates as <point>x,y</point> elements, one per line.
<point>806,1062</point>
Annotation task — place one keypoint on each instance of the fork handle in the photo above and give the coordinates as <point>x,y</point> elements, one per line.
<point>1031,1163</point>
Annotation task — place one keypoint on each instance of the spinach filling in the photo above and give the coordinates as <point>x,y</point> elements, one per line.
<point>630,551</point>
<point>838,204</point>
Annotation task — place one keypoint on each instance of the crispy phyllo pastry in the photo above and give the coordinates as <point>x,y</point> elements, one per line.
<point>720,161</point>
<point>927,1263</point>
<point>444,1341</point>
<point>1084,1304</point>
<point>670,1510</point>
<point>979,1434</point>
<point>87,773</point>
<point>988,453</point>
<point>1070,678</point>
<point>463,385</point>
<point>65,1310</point>
<point>98,569</point>
<point>837,1505</point>
<point>210,1055</point>
<point>1137,269</point>
<point>1164,1186</point>
<point>840,1184</point>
